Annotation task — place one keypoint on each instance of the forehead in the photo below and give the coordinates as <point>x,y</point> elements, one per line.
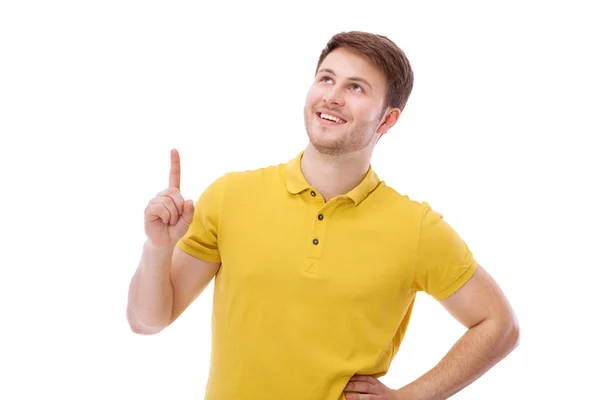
<point>346,64</point>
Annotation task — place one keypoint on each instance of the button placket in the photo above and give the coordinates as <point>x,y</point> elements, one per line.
<point>315,241</point>
<point>319,231</point>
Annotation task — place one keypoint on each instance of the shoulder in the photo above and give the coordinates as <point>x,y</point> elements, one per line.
<point>401,203</point>
<point>267,176</point>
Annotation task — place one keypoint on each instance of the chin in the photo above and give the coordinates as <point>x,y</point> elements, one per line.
<point>324,146</point>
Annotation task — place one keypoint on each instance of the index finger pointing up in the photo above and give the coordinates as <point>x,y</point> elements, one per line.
<point>175,174</point>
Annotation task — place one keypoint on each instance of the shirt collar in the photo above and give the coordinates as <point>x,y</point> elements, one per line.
<point>296,183</point>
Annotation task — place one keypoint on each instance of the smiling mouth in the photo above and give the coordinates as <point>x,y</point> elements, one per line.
<point>330,119</point>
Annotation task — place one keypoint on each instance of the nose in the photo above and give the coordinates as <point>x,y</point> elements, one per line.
<point>333,96</point>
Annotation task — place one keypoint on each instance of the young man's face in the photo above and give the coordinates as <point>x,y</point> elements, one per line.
<point>352,90</point>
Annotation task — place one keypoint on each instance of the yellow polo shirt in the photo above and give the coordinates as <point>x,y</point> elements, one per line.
<point>310,293</point>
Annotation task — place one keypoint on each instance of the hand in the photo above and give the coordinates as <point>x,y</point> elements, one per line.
<point>167,216</point>
<point>368,388</point>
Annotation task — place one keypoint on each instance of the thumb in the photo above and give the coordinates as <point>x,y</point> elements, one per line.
<point>188,212</point>
<point>185,220</point>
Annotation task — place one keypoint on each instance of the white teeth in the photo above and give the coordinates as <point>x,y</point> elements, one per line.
<point>332,118</point>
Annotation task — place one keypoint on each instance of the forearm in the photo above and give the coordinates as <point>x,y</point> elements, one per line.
<point>150,292</point>
<point>478,350</point>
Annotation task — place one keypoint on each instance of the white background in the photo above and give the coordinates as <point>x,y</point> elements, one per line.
<point>499,135</point>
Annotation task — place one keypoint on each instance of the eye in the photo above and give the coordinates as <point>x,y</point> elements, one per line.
<point>326,79</point>
<point>357,87</point>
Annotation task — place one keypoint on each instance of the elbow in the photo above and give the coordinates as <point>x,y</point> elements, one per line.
<point>512,335</point>
<point>138,327</point>
<point>515,334</point>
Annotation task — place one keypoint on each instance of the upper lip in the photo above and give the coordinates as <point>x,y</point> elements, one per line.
<point>333,114</point>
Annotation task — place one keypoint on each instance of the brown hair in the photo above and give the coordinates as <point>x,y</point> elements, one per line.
<point>385,54</point>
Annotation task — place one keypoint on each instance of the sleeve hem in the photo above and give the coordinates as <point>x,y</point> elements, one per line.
<point>457,284</point>
<point>200,254</point>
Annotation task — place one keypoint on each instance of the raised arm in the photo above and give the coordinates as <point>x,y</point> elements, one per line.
<point>167,279</point>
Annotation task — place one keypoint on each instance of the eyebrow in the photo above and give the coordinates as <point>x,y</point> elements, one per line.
<point>352,78</point>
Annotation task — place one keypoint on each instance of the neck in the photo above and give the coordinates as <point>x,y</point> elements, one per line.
<point>334,175</point>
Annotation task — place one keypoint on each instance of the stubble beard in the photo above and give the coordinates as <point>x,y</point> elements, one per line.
<point>361,136</point>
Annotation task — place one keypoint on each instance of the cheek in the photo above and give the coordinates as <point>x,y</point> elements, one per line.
<point>313,97</point>
<point>368,112</point>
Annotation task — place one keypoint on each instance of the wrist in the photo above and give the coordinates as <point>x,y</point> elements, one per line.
<point>158,252</point>
<point>398,395</point>
<point>404,393</point>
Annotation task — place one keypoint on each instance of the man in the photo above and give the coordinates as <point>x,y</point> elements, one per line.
<point>316,261</point>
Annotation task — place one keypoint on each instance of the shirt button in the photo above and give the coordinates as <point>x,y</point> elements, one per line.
<point>320,217</point>
<point>312,193</point>
<point>315,241</point>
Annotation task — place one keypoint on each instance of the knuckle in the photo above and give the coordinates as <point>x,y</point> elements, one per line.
<point>158,202</point>
<point>152,208</point>
<point>177,198</point>
<point>165,201</point>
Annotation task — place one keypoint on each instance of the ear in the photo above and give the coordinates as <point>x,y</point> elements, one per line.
<point>391,116</point>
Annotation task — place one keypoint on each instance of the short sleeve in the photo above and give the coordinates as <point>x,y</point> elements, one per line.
<point>444,261</point>
<point>201,240</point>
